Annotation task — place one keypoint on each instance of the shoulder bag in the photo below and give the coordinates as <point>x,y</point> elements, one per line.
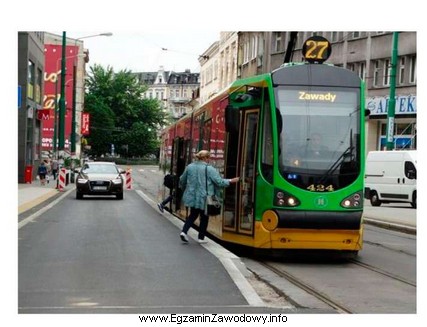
<point>212,206</point>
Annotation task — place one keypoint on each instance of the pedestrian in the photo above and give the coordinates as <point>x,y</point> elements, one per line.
<point>54,168</point>
<point>42,171</point>
<point>193,182</point>
<point>169,182</point>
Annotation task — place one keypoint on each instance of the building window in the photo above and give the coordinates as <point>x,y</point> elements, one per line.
<point>253,46</point>
<point>402,70</point>
<point>38,87</point>
<point>31,79</point>
<point>362,70</point>
<point>405,136</point>
<point>356,35</point>
<point>376,72</point>
<point>277,42</point>
<point>387,72</point>
<point>260,50</point>
<point>246,52</point>
<point>413,70</point>
<point>334,36</point>
<point>260,45</point>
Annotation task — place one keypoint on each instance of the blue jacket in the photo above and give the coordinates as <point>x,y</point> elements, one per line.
<point>193,181</point>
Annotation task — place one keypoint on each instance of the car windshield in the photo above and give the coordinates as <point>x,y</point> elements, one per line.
<point>99,169</point>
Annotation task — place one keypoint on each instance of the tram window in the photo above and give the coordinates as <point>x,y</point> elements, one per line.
<point>267,146</point>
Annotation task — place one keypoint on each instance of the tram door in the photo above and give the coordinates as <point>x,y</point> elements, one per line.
<point>247,169</point>
<point>178,165</point>
<point>241,156</point>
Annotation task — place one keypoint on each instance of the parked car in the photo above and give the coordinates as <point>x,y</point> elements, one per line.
<point>391,176</point>
<point>99,178</point>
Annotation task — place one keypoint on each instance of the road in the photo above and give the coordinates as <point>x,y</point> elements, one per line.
<point>102,255</point>
<point>113,255</point>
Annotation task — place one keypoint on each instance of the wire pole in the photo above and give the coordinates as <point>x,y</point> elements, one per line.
<point>392,100</point>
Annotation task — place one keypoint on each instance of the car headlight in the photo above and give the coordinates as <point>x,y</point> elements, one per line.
<point>117,181</point>
<point>81,180</point>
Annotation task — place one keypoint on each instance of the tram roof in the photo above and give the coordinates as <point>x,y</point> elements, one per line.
<point>262,80</point>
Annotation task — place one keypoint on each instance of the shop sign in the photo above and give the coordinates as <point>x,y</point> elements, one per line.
<point>405,105</point>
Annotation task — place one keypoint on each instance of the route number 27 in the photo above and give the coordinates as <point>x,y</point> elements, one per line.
<point>316,49</point>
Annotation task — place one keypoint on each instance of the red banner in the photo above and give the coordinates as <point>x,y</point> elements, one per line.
<point>52,91</point>
<point>85,123</point>
<point>43,114</point>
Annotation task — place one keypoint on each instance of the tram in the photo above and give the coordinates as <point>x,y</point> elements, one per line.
<point>295,136</point>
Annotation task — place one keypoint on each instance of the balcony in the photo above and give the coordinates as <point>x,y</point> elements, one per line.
<point>179,100</point>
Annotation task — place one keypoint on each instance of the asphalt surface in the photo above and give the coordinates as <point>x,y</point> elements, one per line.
<point>165,276</point>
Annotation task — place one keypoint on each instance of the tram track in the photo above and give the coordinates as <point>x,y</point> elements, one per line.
<point>323,295</point>
<point>388,248</point>
<point>382,272</point>
<point>308,288</point>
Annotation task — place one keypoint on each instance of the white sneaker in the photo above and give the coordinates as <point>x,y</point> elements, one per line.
<point>184,237</point>
<point>202,241</point>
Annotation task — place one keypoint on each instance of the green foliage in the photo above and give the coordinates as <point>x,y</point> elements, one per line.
<point>120,114</point>
<point>68,164</point>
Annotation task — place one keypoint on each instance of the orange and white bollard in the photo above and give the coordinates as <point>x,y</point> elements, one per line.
<point>128,179</point>
<point>61,179</point>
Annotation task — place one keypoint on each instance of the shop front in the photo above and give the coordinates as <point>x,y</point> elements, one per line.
<point>405,127</point>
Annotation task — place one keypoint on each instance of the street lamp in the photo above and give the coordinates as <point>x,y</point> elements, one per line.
<point>61,138</point>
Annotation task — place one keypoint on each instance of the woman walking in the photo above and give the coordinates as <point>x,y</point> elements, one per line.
<point>193,182</point>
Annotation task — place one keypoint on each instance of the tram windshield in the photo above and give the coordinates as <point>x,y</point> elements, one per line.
<point>319,136</point>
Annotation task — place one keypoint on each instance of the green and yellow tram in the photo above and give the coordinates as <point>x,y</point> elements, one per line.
<point>296,138</point>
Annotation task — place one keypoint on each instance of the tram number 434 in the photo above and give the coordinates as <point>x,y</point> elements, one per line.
<point>320,188</point>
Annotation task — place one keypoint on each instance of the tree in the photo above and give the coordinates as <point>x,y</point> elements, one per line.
<point>102,125</point>
<point>120,114</point>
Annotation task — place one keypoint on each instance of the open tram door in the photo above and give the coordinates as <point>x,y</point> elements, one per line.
<point>177,168</point>
<point>239,202</point>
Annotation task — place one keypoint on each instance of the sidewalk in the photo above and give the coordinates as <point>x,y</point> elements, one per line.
<point>31,195</point>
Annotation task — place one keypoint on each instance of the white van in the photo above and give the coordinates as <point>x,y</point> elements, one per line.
<point>391,176</point>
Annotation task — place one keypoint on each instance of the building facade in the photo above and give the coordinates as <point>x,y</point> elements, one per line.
<point>368,54</point>
<point>218,65</point>
<point>30,100</point>
<point>175,90</point>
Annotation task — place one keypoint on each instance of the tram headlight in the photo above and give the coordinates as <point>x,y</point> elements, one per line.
<point>284,199</point>
<point>353,201</point>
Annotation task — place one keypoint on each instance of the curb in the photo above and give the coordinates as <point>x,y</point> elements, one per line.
<point>31,204</point>
<point>392,226</point>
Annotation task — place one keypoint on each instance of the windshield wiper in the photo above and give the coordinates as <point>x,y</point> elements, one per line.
<point>337,163</point>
